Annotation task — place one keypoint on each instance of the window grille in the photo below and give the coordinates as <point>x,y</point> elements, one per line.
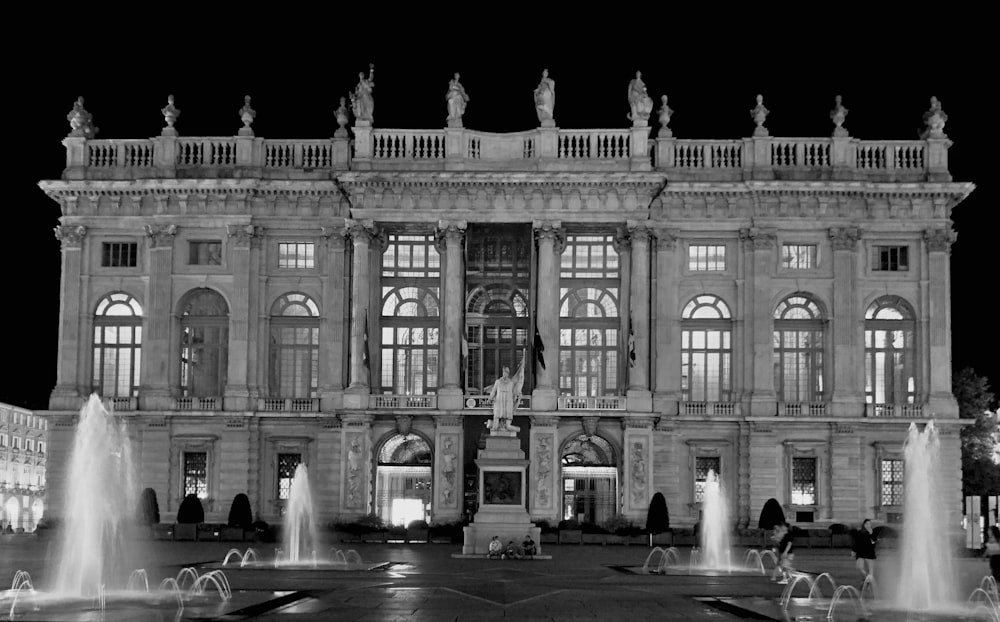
<point>892,481</point>
<point>297,255</point>
<point>702,465</point>
<point>119,254</point>
<point>803,481</point>
<point>196,474</point>
<point>287,463</point>
<point>707,257</point>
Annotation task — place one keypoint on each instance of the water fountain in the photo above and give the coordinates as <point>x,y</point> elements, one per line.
<point>713,538</point>
<point>299,538</point>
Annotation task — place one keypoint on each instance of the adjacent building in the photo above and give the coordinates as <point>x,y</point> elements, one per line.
<point>773,310</point>
<point>23,439</point>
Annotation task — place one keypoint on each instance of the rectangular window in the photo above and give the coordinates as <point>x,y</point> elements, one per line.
<point>707,257</point>
<point>297,255</point>
<point>30,445</point>
<point>119,254</point>
<point>799,256</point>
<point>891,259</point>
<point>196,474</point>
<point>17,442</point>
<point>702,465</point>
<point>287,463</point>
<point>803,481</point>
<point>205,253</point>
<point>892,481</point>
<point>3,440</point>
<point>41,447</point>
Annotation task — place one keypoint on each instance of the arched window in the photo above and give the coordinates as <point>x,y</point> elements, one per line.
<point>117,345</point>
<point>204,343</point>
<point>706,350</point>
<point>890,353</point>
<point>590,479</point>
<point>798,349</point>
<point>403,480</point>
<point>411,316</point>
<point>496,332</point>
<point>294,355</point>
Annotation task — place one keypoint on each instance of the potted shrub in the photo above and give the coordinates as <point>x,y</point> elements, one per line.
<point>658,522</point>
<point>751,537</point>
<point>840,535</point>
<point>149,510</point>
<point>418,531</point>
<point>592,533</point>
<point>373,528</point>
<point>549,534</point>
<point>444,533</point>
<point>617,530</point>
<point>189,515</point>
<point>263,531</point>
<point>240,520</point>
<point>569,532</point>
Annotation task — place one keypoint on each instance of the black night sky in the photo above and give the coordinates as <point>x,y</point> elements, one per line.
<point>296,70</point>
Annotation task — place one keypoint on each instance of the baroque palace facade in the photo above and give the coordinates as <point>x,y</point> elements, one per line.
<point>22,468</point>
<point>775,310</point>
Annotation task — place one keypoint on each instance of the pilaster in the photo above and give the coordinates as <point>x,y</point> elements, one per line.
<point>155,389</point>
<point>759,247</point>
<point>70,381</point>
<point>362,234</point>
<point>765,460</point>
<point>551,241</point>
<point>448,468</point>
<point>637,450</point>
<point>543,489</point>
<point>331,336</point>
<point>847,394</point>
<point>451,234</point>
<point>667,336</point>
<point>240,241</point>
<point>937,330</point>
<point>847,471</point>
<point>640,398</point>
<point>357,469</point>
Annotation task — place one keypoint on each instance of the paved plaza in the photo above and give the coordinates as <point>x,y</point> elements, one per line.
<point>423,582</point>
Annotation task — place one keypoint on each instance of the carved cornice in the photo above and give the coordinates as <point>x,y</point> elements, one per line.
<point>538,421</point>
<point>70,237</point>
<point>637,423</point>
<point>843,428</point>
<point>845,238</point>
<point>161,236</point>
<point>757,238</point>
<point>940,240</point>
<point>356,421</point>
<point>448,421</point>
<point>243,235</point>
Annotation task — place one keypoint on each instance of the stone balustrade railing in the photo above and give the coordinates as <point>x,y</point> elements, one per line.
<point>543,149</point>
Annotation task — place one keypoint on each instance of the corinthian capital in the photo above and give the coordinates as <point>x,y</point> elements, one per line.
<point>551,230</point>
<point>161,236</point>
<point>243,235</point>
<point>940,240</point>
<point>639,231</point>
<point>449,232</point>
<point>844,238</point>
<point>362,231</point>
<point>666,238</point>
<point>334,236</point>
<point>71,237</point>
<point>760,239</point>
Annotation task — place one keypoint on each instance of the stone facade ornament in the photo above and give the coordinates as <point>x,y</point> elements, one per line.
<point>838,114</point>
<point>403,424</point>
<point>362,100</point>
<point>639,101</point>
<point>243,235</point>
<point>589,425</point>
<point>170,114</point>
<point>71,237</point>
<point>665,113</point>
<point>940,240</point>
<point>161,236</point>
<point>844,238</point>
<point>759,114</point>
<point>760,239</point>
<point>554,231</point>
<point>81,122</point>
<point>545,100</point>
<point>341,114</point>
<point>666,238</point>
<point>247,115</point>
<point>934,119</point>
<point>457,99</point>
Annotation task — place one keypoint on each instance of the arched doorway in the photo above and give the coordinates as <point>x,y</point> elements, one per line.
<point>37,510</point>
<point>403,480</point>
<point>13,510</point>
<point>590,480</point>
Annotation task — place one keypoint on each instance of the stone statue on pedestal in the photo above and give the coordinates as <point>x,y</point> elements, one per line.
<point>247,115</point>
<point>506,394</point>
<point>457,99</point>
<point>545,100</point>
<point>639,101</point>
<point>362,100</point>
<point>934,119</point>
<point>170,114</point>
<point>81,122</point>
<point>759,114</point>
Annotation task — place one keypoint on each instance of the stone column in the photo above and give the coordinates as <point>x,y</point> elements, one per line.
<point>71,382</point>
<point>640,398</point>
<point>936,331</point>
<point>666,363</point>
<point>155,389</point>
<point>362,234</point>
<point>847,470</point>
<point>543,475</point>
<point>847,398</point>
<point>637,450</point>
<point>551,241</point>
<point>759,248</point>
<point>450,235</point>
<point>448,469</point>
<point>331,335</point>
<point>237,392</point>
<point>357,468</point>
<point>765,461</point>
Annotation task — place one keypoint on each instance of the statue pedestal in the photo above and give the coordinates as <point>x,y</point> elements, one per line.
<point>503,496</point>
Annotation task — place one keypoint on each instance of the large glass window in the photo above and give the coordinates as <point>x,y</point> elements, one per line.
<point>707,257</point>
<point>589,321</point>
<point>798,350</point>
<point>706,350</point>
<point>117,345</point>
<point>804,481</point>
<point>890,359</point>
<point>196,474</point>
<point>589,480</point>
<point>204,344</point>
<point>403,480</point>
<point>294,353</point>
<point>411,316</point>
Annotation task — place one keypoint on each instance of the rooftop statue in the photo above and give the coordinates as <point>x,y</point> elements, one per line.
<point>457,99</point>
<point>934,119</point>
<point>341,114</point>
<point>545,100</point>
<point>247,115</point>
<point>80,121</point>
<point>361,99</point>
<point>665,113</point>
<point>170,114</point>
<point>838,114</point>
<point>506,395</point>
<point>759,114</point>
<point>639,101</point>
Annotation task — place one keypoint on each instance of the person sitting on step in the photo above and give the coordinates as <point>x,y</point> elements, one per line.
<point>496,548</point>
<point>529,547</point>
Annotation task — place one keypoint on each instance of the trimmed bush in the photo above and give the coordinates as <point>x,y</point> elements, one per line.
<point>149,509</point>
<point>838,529</point>
<point>569,524</point>
<point>240,514</point>
<point>417,524</point>
<point>657,516</point>
<point>191,510</point>
<point>771,514</point>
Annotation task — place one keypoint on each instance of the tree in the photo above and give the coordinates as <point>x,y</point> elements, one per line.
<point>240,514</point>
<point>980,471</point>
<point>191,510</point>
<point>149,509</point>
<point>657,517</point>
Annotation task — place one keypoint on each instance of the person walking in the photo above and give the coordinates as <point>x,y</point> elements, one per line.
<point>786,554</point>
<point>863,549</point>
<point>993,551</point>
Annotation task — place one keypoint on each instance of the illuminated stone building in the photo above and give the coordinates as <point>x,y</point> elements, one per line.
<point>22,468</point>
<point>772,309</point>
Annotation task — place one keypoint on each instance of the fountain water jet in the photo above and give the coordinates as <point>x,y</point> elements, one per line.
<point>299,537</point>
<point>713,538</point>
